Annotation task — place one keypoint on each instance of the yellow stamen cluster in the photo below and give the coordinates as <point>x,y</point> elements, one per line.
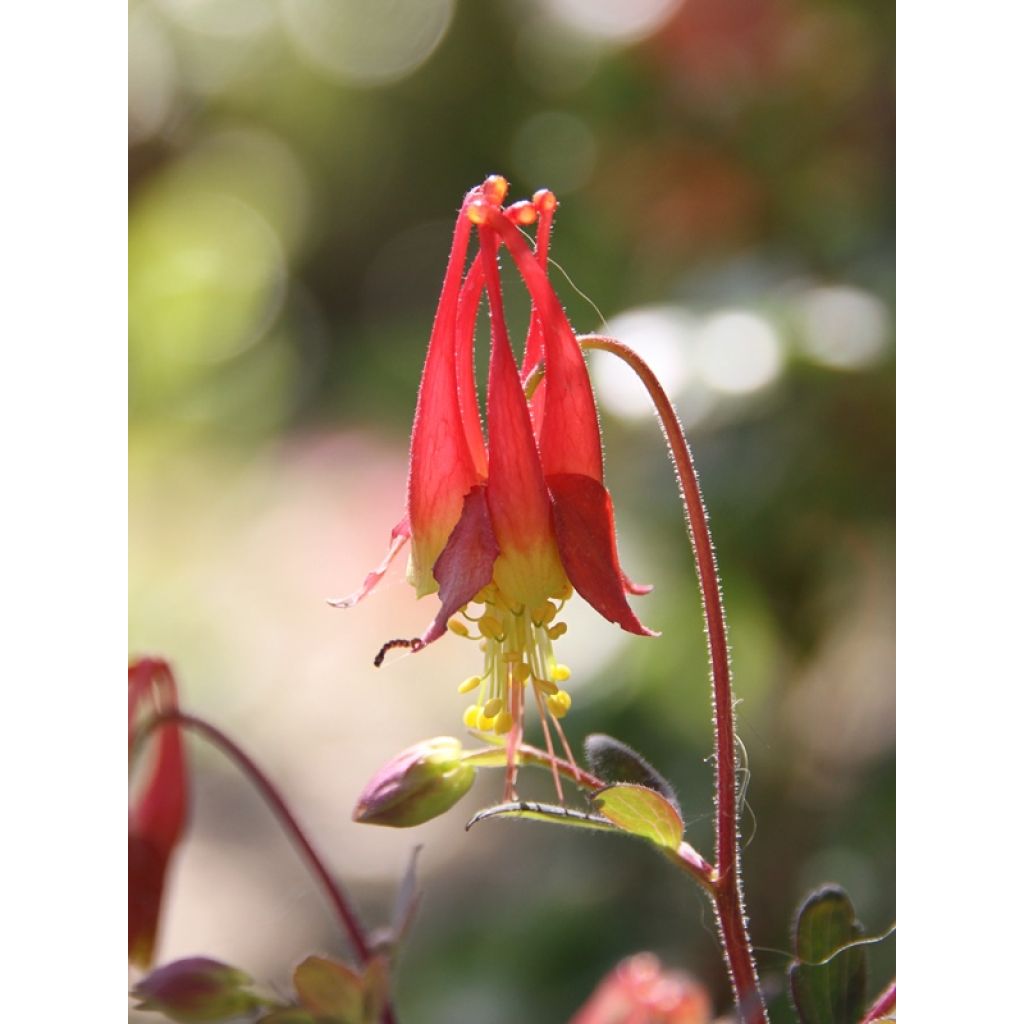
<point>517,647</point>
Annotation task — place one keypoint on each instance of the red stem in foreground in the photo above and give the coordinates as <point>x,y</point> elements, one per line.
<point>726,884</point>
<point>332,887</point>
<point>883,1005</point>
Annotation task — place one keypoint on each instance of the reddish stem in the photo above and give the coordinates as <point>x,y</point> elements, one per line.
<point>883,1005</point>
<point>727,891</point>
<point>333,888</point>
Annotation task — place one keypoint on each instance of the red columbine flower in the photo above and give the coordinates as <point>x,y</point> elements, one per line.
<point>156,814</point>
<point>515,524</point>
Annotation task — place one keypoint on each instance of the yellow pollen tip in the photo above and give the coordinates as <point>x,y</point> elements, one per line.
<point>566,592</point>
<point>557,630</point>
<point>478,211</point>
<point>546,686</point>
<point>561,673</point>
<point>559,704</point>
<point>484,723</point>
<point>458,628</point>
<point>521,672</point>
<point>469,685</point>
<point>471,717</point>
<point>491,628</point>
<point>544,199</point>
<point>503,723</point>
<point>493,707</point>
<point>495,188</point>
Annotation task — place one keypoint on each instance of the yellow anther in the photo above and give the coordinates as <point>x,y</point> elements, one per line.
<point>559,704</point>
<point>546,686</point>
<point>493,707</point>
<point>560,673</point>
<point>469,685</point>
<point>486,596</point>
<point>491,628</point>
<point>510,657</point>
<point>544,614</point>
<point>503,723</point>
<point>484,723</point>
<point>458,628</point>
<point>544,199</point>
<point>495,188</point>
<point>566,592</point>
<point>471,717</point>
<point>557,629</point>
<point>521,672</point>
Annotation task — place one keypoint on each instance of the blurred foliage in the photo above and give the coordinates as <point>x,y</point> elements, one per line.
<point>293,176</point>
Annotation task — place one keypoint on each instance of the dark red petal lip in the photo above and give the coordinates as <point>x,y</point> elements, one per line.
<point>585,529</point>
<point>466,565</point>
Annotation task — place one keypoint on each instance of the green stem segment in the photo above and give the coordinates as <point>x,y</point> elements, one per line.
<point>332,887</point>
<point>726,888</point>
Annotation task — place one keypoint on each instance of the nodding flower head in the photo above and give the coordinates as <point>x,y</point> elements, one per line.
<point>158,806</point>
<point>515,524</point>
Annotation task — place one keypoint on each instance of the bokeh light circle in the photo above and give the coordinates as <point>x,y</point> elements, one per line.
<point>738,352</point>
<point>843,327</point>
<point>367,42</point>
<point>623,21</point>
<point>662,336</point>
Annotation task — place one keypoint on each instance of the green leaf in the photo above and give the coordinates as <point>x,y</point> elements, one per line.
<point>828,987</point>
<point>543,812</point>
<point>327,988</point>
<point>611,760</point>
<point>642,812</point>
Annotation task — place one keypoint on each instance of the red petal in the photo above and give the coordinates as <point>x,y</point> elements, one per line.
<point>466,565</point>
<point>441,468</point>
<point>157,818</point>
<point>570,438</point>
<point>534,352</point>
<point>399,535</point>
<point>516,495</point>
<point>465,331</point>
<point>585,527</point>
<point>147,866</point>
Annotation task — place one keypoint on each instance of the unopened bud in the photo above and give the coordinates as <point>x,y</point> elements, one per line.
<point>196,990</point>
<point>416,785</point>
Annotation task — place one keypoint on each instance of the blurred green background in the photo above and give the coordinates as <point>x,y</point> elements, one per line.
<point>725,171</point>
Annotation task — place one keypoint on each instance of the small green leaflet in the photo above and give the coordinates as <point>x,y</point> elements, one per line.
<point>642,812</point>
<point>828,987</point>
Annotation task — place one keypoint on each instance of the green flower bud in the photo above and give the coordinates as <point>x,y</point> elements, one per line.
<point>196,990</point>
<point>416,785</point>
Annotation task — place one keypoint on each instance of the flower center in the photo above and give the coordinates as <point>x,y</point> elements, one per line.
<point>517,644</point>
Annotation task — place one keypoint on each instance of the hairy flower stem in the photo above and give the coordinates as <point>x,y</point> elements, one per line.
<point>335,893</point>
<point>726,885</point>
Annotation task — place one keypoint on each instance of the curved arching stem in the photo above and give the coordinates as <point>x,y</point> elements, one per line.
<point>332,887</point>
<point>727,887</point>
